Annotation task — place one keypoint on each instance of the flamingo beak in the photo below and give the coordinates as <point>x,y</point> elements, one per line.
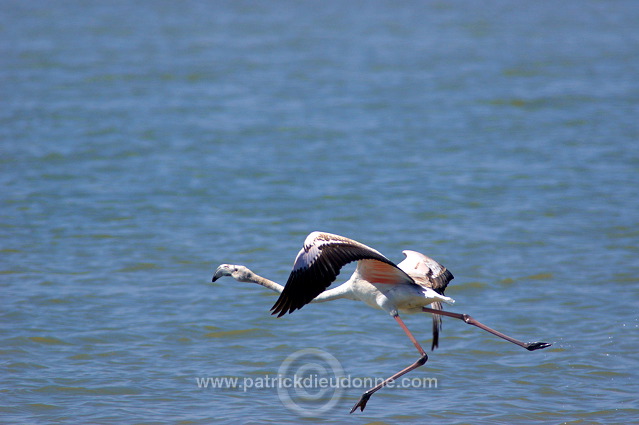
<point>221,271</point>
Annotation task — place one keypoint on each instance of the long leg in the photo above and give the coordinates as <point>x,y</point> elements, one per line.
<point>530,346</point>
<point>364,398</point>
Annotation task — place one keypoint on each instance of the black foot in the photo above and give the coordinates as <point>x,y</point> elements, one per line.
<point>532,346</point>
<point>362,402</point>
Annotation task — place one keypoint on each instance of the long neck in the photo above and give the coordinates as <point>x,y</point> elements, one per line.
<point>342,291</point>
<point>255,278</point>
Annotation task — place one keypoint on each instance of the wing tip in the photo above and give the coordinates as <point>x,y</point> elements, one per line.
<point>279,312</point>
<point>437,325</point>
<point>279,308</point>
<point>445,278</point>
<point>283,305</point>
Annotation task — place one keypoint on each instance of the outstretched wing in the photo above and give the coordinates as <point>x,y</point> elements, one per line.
<point>428,272</point>
<point>319,262</point>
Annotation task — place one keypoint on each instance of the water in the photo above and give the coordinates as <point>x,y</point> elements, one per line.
<point>144,144</point>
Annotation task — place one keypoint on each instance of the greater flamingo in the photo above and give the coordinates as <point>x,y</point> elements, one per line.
<point>408,287</point>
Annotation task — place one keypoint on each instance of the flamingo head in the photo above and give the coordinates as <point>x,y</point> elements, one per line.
<point>239,273</point>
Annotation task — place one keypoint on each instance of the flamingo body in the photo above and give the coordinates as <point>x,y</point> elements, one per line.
<point>377,281</point>
<point>408,287</point>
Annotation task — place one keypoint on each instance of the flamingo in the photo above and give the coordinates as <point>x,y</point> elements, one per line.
<point>408,287</point>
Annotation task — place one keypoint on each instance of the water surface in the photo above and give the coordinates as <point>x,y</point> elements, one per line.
<point>143,144</point>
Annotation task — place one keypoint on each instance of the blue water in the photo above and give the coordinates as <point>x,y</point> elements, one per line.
<point>144,143</point>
